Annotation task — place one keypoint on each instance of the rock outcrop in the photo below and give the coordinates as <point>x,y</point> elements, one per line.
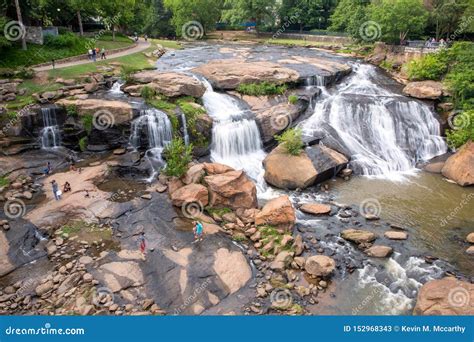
<point>232,189</point>
<point>192,193</point>
<point>460,166</point>
<point>314,165</point>
<point>358,236</point>
<point>429,90</point>
<point>278,213</point>
<point>447,296</point>
<point>316,208</point>
<point>170,84</point>
<point>275,119</point>
<point>229,74</point>
<point>320,265</point>
<point>111,111</point>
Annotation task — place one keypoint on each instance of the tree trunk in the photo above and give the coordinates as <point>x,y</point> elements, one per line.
<point>20,20</point>
<point>79,20</point>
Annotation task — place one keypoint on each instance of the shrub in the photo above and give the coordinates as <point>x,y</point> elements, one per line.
<point>291,140</point>
<point>177,156</point>
<point>293,99</point>
<point>83,142</point>
<point>25,73</point>
<point>263,88</point>
<point>4,181</point>
<point>162,104</point>
<point>147,93</point>
<point>87,122</point>
<point>71,110</point>
<point>65,40</point>
<point>464,129</point>
<point>430,67</point>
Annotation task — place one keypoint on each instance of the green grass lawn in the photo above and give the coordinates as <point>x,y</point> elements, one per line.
<point>36,54</point>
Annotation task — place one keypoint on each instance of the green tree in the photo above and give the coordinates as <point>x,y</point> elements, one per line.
<point>205,12</point>
<point>349,17</point>
<point>116,13</point>
<point>238,11</point>
<point>308,13</point>
<point>445,15</point>
<point>399,18</point>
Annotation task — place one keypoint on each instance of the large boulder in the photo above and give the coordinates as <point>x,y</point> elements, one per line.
<point>447,296</point>
<point>229,74</point>
<point>358,236</point>
<point>320,265</point>
<point>216,168</point>
<point>170,84</point>
<point>460,166</point>
<point>192,193</point>
<point>108,111</point>
<point>232,189</point>
<point>430,90</point>
<point>275,119</point>
<point>301,174</point>
<point>278,213</point>
<point>120,275</point>
<point>327,162</point>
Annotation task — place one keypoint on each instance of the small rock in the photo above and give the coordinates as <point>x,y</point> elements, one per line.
<point>379,251</point>
<point>146,196</point>
<point>393,235</point>
<point>470,238</point>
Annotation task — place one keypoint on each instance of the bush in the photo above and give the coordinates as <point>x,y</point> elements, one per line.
<point>177,156</point>
<point>430,67</point>
<point>25,73</point>
<point>87,122</point>
<point>71,110</point>
<point>4,182</point>
<point>147,93</point>
<point>293,99</point>
<point>83,142</point>
<point>65,40</point>
<point>260,89</point>
<point>464,129</point>
<point>291,140</point>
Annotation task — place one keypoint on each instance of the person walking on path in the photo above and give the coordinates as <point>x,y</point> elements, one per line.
<point>94,55</point>
<point>56,192</point>
<point>102,54</point>
<point>198,231</point>
<point>142,241</point>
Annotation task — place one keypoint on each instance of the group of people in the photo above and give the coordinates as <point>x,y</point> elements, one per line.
<point>57,193</point>
<point>433,42</point>
<point>136,37</point>
<point>93,53</point>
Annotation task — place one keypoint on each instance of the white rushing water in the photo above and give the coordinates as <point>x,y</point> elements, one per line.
<point>384,133</point>
<point>235,136</point>
<point>50,134</point>
<point>154,129</point>
<point>115,89</point>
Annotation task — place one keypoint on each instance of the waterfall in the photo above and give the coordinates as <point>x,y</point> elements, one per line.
<point>316,80</point>
<point>50,135</point>
<point>383,132</point>
<point>115,89</point>
<point>235,136</point>
<point>185,129</point>
<point>152,129</point>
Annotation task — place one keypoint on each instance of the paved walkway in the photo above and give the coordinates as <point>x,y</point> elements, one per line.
<point>142,45</point>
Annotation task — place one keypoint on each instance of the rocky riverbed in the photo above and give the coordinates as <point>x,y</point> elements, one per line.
<point>282,234</point>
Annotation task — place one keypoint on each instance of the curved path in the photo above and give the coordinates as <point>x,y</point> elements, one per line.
<point>142,45</point>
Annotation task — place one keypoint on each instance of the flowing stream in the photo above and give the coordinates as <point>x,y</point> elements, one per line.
<point>384,133</point>
<point>235,136</point>
<point>152,129</point>
<point>50,134</point>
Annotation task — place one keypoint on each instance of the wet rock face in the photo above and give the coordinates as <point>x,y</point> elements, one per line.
<point>170,84</point>
<point>460,166</point>
<point>447,296</point>
<point>278,213</point>
<point>320,265</point>
<point>229,74</point>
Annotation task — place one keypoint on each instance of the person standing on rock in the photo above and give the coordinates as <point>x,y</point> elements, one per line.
<point>198,230</point>
<point>56,192</point>
<point>142,241</point>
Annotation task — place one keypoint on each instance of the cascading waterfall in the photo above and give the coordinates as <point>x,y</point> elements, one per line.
<point>50,134</point>
<point>185,129</point>
<point>384,133</point>
<point>235,136</point>
<point>152,129</point>
<point>115,89</point>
